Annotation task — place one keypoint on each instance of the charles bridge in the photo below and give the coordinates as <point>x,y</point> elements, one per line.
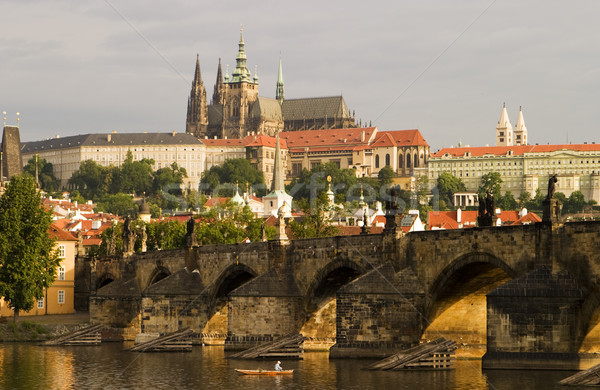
<point>526,295</point>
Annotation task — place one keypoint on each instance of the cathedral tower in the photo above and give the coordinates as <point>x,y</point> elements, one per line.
<point>241,93</point>
<point>504,130</point>
<point>520,130</point>
<point>219,91</point>
<point>197,110</point>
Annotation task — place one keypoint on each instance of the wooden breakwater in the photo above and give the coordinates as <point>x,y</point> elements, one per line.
<point>437,354</point>
<point>289,347</point>
<point>180,341</point>
<point>90,335</point>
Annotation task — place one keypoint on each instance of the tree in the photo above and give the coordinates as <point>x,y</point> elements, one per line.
<point>220,180</point>
<point>119,204</point>
<point>490,182</point>
<point>524,198</point>
<point>507,201</point>
<point>90,179</point>
<point>133,176</point>
<point>447,186</point>
<point>45,173</point>
<point>386,175</point>
<point>574,203</point>
<point>316,222</point>
<point>169,179</point>
<point>28,258</point>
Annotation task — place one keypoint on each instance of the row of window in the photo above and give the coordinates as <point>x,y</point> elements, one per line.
<point>61,299</point>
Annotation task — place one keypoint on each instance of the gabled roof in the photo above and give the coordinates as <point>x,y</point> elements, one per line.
<point>266,109</point>
<point>266,140</point>
<point>407,137</point>
<point>59,234</point>
<point>330,107</point>
<point>527,219</point>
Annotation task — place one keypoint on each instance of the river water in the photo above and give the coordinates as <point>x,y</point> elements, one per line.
<point>108,366</point>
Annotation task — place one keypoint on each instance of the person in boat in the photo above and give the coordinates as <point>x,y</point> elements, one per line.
<point>278,366</point>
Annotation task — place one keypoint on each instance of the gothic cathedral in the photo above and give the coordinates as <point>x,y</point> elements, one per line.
<point>236,110</point>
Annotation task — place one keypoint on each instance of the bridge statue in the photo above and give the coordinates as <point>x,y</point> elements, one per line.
<point>551,206</point>
<point>487,210</point>
<point>128,237</point>
<point>190,236</point>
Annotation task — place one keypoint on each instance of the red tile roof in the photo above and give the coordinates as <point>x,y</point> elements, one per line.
<point>407,137</point>
<point>265,140</point>
<point>516,150</point>
<point>527,219</point>
<point>60,235</point>
<point>327,137</point>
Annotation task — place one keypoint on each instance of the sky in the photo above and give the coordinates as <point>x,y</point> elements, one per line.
<point>444,67</point>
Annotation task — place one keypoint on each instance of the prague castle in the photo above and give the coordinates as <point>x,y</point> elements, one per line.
<point>236,109</point>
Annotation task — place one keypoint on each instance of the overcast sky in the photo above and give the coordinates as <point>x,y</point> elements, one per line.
<point>445,67</point>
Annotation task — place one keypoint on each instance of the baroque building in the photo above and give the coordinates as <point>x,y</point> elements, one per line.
<point>236,109</point>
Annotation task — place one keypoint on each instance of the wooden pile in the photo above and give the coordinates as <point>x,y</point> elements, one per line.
<point>589,377</point>
<point>437,354</point>
<point>86,336</point>
<point>180,341</point>
<point>289,347</point>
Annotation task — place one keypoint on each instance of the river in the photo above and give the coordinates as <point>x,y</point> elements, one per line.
<point>29,366</point>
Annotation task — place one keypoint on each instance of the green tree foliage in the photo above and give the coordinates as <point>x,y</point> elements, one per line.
<point>90,179</point>
<point>535,204</point>
<point>169,179</point>
<point>48,182</point>
<point>220,180</point>
<point>507,201</point>
<point>28,259</point>
<point>230,225</point>
<point>133,176</point>
<point>524,198</point>
<point>316,221</point>
<point>119,204</point>
<point>386,175</point>
<point>490,182</point>
<point>574,203</point>
<point>167,234</point>
<point>447,186</point>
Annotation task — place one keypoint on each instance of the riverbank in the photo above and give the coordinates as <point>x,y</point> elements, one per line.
<point>39,328</point>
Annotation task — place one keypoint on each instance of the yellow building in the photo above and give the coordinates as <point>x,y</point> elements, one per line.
<point>60,297</point>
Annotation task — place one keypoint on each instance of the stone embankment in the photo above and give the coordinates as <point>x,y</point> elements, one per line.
<point>40,328</point>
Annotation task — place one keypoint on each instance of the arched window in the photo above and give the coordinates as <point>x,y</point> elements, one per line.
<point>376,161</point>
<point>400,160</point>
<point>408,160</point>
<point>387,160</point>
<point>416,161</point>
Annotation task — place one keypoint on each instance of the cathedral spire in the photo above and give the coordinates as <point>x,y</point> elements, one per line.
<point>197,111</point>
<point>279,92</point>
<point>241,72</point>
<point>218,91</point>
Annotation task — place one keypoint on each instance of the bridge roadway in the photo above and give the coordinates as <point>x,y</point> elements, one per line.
<point>388,291</point>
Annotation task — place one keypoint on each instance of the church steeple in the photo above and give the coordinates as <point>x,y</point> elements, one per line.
<point>277,184</point>
<point>279,92</point>
<point>520,130</point>
<point>197,111</point>
<point>218,93</point>
<point>504,136</point>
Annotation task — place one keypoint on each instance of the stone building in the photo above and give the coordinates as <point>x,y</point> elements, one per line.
<point>66,154</point>
<point>10,158</point>
<point>236,109</point>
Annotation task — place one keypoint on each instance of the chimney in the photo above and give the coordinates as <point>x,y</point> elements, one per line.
<point>362,136</point>
<point>108,137</point>
<point>458,215</point>
<point>174,133</point>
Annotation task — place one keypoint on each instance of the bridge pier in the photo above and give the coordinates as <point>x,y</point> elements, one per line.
<point>378,314</point>
<point>536,321</point>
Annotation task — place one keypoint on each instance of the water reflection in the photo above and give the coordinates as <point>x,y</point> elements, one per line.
<point>28,366</point>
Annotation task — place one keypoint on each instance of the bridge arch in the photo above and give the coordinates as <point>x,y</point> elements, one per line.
<point>231,278</point>
<point>104,280</point>
<point>159,273</point>
<point>456,306</point>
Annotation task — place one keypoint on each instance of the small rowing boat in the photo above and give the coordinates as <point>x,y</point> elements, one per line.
<point>264,372</point>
